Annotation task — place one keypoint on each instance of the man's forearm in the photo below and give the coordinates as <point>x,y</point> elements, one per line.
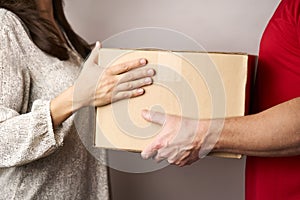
<point>274,132</point>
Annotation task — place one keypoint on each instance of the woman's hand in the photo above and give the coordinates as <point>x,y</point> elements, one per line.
<point>178,142</point>
<point>119,82</point>
<point>99,86</point>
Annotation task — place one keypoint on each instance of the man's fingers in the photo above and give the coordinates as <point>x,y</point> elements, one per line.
<point>158,158</point>
<point>127,66</point>
<point>148,153</point>
<point>157,144</point>
<point>155,117</point>
<point>181,157</point>
<point>151,150</point>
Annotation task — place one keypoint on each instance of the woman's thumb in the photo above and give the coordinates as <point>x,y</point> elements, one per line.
<point>95,53</point>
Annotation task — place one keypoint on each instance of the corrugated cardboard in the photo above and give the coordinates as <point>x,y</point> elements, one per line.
<point>192,84</point>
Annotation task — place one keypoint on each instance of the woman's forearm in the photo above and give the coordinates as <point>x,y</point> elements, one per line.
<point>61,107</point>
<point>274,132</point>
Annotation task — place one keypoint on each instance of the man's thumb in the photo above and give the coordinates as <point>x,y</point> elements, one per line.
<point>155,117</point>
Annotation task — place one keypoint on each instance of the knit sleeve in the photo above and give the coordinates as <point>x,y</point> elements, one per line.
<point>25,136</point>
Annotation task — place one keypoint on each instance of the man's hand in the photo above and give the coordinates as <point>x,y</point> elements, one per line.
<point>178,142</point>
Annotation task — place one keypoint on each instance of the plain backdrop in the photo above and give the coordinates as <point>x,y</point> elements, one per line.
<point>217,25</point>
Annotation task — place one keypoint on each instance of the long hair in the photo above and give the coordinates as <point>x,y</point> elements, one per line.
<point>42,32</point>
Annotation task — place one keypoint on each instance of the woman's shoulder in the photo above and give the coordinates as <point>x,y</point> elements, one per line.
<point>9,19</point>
<point>10,22</point>
<point>13,31</point>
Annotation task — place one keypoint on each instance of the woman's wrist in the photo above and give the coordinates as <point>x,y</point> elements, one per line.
<point>62,107</point>
<point>75,101</point>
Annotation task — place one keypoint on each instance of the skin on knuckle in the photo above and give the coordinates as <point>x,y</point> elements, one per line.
<point>126,95</point>
<point>103,83</point>
<point>111,81</point>
<point>106,88</point>
<point>155,146</point>
<point>194,143</point>
<point>126,68</point>
<point>135,85</point>
<point>134,75</point>
<point>164,143</point>
<point>139,85</point>
<point>144,72</point>
<point>106,73</point>
<point>171,161</point>
<point>159,156</point>
<point>129,86</point>
<point>115,69</point>
<point>119,95</point>
<point>129,76</point>
<point>142,82</point>
<point>160,144</point>
<point>140,75</point>
<point>109,71</point>
<point>115,97</point>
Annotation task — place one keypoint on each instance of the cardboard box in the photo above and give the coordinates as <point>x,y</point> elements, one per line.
<point>197,85</point>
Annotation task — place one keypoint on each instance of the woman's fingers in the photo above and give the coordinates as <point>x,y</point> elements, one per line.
<point>130,82</point>
<point>127,66</point>
<point>119,82</point>
<point>133,84</point>
<point>136,74</point>
<point>127,94</point>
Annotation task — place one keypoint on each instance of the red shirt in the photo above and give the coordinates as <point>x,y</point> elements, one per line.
<point>278,80</point>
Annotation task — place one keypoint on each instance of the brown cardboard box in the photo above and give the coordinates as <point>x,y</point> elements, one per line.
<point>192,84</point>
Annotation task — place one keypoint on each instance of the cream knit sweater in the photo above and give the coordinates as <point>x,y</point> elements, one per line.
<point>37,162</point>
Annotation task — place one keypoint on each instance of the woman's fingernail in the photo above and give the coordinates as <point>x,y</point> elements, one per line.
<point>140,91</point>
<point>150,72</point>
<point>143,61</point>
<point>148,80</point>
<point>97,44</point>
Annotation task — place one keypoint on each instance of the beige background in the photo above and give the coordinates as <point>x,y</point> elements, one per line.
<point>218,25</point>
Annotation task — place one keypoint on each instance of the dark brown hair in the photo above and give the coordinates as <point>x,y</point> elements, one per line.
<point>42,33</point>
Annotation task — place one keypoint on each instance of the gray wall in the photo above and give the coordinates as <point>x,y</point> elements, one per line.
<point>218,25</point>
